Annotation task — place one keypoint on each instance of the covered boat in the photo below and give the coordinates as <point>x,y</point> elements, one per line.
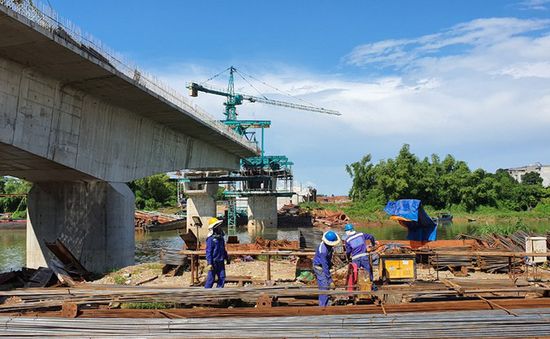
<point>410,214</point>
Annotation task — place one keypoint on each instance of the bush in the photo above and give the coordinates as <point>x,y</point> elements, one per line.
<point>17,215</point>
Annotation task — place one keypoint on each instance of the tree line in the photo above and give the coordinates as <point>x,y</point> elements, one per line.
<point>151,193</point>
<point>442,184</point>
<point>16,204</point>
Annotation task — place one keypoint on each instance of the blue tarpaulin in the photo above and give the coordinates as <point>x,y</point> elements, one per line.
<point>409,213</point>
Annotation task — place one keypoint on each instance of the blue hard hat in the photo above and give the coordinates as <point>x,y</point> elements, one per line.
<point>330,238</point>
<point>349,227</point>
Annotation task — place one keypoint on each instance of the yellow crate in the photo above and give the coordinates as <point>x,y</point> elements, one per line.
<point>399,268</point>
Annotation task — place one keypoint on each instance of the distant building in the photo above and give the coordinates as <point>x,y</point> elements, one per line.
<point>542,170</point>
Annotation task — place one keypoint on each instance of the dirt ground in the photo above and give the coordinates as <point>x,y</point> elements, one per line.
<point>134,275</point>
<point>281,270</point>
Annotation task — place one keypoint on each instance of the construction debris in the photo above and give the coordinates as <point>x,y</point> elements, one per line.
<point>293,216</point>
<point>156,221</point>
<point>324,217</point>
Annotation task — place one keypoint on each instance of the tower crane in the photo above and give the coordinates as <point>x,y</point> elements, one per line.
<point>274,167</point>
<point>235,99</point>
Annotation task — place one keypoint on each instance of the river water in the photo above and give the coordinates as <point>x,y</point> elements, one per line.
<point>148,245</point>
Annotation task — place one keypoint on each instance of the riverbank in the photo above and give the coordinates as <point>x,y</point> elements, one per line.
<point>13,225</point>
<point>371,213</point>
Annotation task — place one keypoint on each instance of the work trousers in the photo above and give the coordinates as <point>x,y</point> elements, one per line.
<point>323,281</point>
<point>218,270</point>
<point>364,262</point>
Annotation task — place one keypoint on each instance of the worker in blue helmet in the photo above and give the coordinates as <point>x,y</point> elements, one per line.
<point>215,254</point>
<point>322,263</point>
<point>358,246</point>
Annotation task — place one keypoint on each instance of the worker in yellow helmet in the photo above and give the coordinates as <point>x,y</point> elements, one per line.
<point>215,254</point>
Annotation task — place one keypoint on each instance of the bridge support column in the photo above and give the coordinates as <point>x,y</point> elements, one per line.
<point>262,211</point>
<point>95,221</point>
<point>201,202</point>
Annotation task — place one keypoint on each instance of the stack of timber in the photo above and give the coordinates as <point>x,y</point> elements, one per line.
<point>155,221</point>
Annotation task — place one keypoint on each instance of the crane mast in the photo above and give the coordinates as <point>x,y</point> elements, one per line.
<point>273,167</point>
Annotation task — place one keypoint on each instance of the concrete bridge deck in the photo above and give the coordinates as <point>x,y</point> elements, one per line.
<point>80,124</point>
<point>56,64</point>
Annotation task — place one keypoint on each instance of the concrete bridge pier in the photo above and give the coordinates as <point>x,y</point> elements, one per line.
<point>262,211</point>
<point>95,220</point>
<point>201,202</point>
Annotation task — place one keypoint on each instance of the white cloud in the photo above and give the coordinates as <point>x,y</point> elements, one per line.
<point>538,5</point>
<point>488,104</point>
<point>477,33</point>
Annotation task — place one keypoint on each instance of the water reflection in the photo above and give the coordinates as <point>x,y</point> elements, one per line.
<point>148,245</point>
<point>12,249</point>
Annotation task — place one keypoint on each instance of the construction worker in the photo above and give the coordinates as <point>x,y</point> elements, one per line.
<point>357,248</point>
<point>322,263</point>
<point>215,254</point>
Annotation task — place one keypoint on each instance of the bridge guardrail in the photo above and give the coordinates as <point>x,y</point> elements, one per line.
<point>47,18</point>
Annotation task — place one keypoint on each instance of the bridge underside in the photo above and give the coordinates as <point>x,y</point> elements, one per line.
<point>25,165</point>
<point>79,127</point>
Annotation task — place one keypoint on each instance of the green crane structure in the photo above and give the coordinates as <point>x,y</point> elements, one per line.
<point>235,99</point>
<point>275,167</point>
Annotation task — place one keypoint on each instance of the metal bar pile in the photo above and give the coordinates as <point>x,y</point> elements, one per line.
<point>446,261</point>
<point>287,311</point>
<point>469,324</point>
<point>512,243</point>
<point>95,295</point>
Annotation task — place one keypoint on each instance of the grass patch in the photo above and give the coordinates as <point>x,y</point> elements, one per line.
<point>119,279</point>
<point>501,229</point>
<point>153,266</point>
<point>147,306</point>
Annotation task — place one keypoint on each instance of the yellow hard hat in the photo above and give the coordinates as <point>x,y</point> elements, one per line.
<point>213,222</point>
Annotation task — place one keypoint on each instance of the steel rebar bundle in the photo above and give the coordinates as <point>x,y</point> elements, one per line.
<point>527,323</point>
<point>35,298</point>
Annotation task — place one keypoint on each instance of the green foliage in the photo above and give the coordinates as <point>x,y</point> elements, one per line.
<point>441,184</point>
<point>531,178</point>
<point>119,279</point>
<point>20,214</point>
<point>9,185</point>
<point>219,193</point>
<point>501,229</point>
<point>154,192</point>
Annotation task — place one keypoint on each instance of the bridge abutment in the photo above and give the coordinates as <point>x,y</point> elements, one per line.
<point>95,221</point>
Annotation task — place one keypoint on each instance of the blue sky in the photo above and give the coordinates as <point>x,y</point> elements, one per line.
<point>469,78</point>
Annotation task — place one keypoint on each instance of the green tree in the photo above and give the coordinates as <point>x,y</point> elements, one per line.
<point>441,183</point>
<point>154,192</point>
<point>531,178</point>
<point>10,185</point>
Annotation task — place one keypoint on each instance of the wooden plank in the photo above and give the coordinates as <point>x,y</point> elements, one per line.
<point>61,274</point>
<point>459,289</point>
